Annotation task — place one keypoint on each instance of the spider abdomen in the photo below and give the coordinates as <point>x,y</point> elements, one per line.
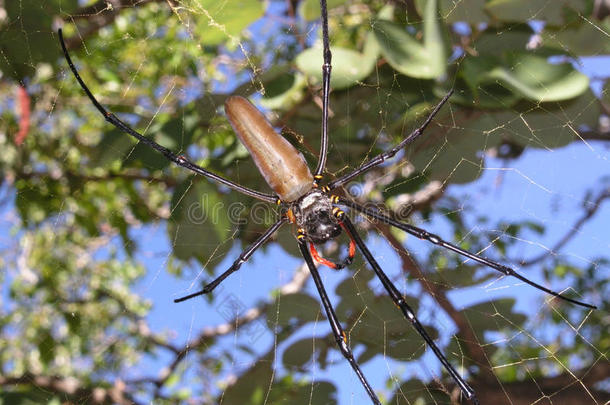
<point>282,166</point>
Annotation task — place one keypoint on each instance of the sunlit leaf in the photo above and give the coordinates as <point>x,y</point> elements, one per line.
<point>349,67</point>
<point>427,60</point>
<point>218,21</point>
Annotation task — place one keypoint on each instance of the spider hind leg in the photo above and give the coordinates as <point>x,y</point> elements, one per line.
<point>335,266</point>
<point>425,235</point>
<point>337,330</point>
<point>408,313</point>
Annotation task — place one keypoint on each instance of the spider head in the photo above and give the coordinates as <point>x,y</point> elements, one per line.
<point>320,226</point>
<point>314,213</point>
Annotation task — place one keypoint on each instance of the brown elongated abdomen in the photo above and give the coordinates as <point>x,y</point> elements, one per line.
<point>283,167</point>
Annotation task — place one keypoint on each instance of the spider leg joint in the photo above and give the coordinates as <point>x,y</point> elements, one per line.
<point>338,212</point>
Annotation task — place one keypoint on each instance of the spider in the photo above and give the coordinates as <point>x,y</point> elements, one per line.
<point>312,207</point>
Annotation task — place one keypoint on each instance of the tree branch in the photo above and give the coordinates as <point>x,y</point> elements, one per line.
<point>72,387</point>
<point>590,210</point>
<point>565,389</point>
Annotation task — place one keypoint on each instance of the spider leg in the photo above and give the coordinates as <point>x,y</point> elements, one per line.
<point>334,322</point>
<point>406,309</point>
<point>382,157</point>
<point>326,68</point>
<point>425,235</point>
<point>245,255</point>
<point>169,155</point>
<point>335,266</point>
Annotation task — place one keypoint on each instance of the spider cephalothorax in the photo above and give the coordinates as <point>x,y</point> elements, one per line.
<point>314,214</point>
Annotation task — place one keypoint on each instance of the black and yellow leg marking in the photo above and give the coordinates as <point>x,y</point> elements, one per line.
<point>338,333</point>
<point>291,218</point>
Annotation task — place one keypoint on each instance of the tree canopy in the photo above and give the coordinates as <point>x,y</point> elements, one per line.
<point>101,233</point>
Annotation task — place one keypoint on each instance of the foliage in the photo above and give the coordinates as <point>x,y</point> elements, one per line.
<point>79,194</point>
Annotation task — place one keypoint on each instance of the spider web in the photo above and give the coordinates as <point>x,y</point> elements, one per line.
<point>521,183</point>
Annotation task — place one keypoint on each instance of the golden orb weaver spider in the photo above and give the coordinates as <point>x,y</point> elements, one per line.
<point>313,208</point>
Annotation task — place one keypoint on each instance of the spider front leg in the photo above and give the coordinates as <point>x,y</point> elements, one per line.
<point>405,308</point>
<point>326,69</point>
<point>243,257</point>
<point>338,332</point>
<point>382,157</point>
<point>179,160</point>
<point>425,235</point>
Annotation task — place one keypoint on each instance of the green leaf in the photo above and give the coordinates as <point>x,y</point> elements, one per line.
<point>175,135</point>
<point>468,11</point>
<point>349,67</point>
<point>199,227</point>
<point>25,396</point>
<point>298,306</point>
<point>114,145</point>
<point>498,41</point>
<point>553,13</point>
<point>284,92</point>
<point>298,354</point>
<point>456,160</point>
<point>415,392</point>
<point>461,276</point>
<point>538,126</point>
<point>219,21</point>
<point>484,96</point>
<point>580,40</point>
<point>250,387</point>
<point>530,76</point>
<point>310,9</point>
<point>287,391</point>
<point>406,54</point>
<point>26,37</point>
<point>46,346</point>
<point>493,316</point>
<point>537,79</point>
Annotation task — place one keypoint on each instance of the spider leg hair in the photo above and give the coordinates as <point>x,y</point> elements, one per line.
<point>338,332</point>
<point>243,257</point>
<point>326,69</point>
<point>432,238</point>
<point>382,157</point>
<point>406,309</point>
<point>169,155</point>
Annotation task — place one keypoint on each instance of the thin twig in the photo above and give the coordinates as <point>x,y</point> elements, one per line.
<point>590,210</point>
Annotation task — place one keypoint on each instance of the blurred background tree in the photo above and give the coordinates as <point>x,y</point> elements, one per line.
<point>100,234</point>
